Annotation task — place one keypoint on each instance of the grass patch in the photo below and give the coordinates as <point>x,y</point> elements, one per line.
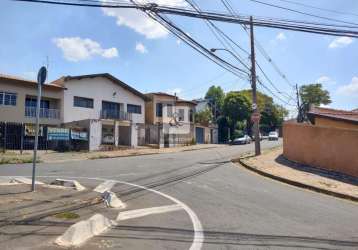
<point>11,158</point>
<point>67,216</point>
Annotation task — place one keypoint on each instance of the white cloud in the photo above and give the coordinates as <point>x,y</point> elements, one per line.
<point>281,36</point>
<point>340,42</point>
<point>350,89</point>
<point>178,41</point>
<point>325,80</point>
<point>141,48</point>
<point>76,49</point>
<point>176,91</point>
<point>139,21</point>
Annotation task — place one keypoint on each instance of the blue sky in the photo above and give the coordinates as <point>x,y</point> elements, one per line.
<point>129,46</point>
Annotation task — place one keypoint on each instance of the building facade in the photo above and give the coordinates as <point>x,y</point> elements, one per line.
<point>108,111</point>
<point>169,120</point>
<point>112,111</point>
<point>18,101</point>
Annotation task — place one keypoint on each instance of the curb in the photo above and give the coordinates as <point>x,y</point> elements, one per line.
<point>83,230</point>
<point>295,183</point>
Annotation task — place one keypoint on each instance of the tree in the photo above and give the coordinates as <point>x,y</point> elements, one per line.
<point>204,117</point>
<point>215,95</point>
<point>272,115</point>
<point>236,107</point>
<point>314,94</point>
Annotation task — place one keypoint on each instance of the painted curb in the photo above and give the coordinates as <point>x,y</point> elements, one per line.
<point>294,183</point>
<point>82,231</point>
<point>24,180</point>
<point>68,183</point>
<point>111,200</point>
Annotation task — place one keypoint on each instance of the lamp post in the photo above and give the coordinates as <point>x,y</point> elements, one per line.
<point>256,115</point>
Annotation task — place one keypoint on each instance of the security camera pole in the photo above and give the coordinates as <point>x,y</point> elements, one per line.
<point>41,78</point>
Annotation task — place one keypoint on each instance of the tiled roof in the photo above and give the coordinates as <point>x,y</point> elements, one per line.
<point>63,79</point>
<point>17,79</point>
<point>160,93</point>
<point>334,114</point>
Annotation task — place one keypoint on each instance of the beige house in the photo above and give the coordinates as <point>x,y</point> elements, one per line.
<point>169,120</point>
<point>18,101</point>
<point>104,110</point>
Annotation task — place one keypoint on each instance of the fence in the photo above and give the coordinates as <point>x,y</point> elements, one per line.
<point>19,136</point>
<point>324,147</point>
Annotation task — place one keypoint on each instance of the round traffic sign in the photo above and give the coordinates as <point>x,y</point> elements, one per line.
<point>41,75</point>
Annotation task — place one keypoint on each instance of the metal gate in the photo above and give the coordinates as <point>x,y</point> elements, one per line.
<point>199,132</point>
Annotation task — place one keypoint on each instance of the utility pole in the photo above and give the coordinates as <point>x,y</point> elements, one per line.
<point>256,114</point>
<point>298,102</point>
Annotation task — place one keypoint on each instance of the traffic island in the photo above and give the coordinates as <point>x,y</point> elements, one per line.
<point>38,218</point>
<point>272,164</point>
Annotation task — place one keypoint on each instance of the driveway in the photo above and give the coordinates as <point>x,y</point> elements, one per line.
<point>235,208</point>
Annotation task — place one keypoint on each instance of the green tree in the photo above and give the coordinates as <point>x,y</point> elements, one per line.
<point>272,115</point>
<point>236,108</point>
<point>215,95</point>
<point>314,94</point>
<point>204,117</point>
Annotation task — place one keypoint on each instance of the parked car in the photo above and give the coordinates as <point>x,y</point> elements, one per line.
<point>242,140</point>
<point>273,136</point>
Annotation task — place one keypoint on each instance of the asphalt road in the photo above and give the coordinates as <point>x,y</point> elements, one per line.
<point>237,208</point>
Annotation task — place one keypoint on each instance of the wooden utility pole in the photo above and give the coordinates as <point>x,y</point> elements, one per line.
<point>298,103</point>
<point>256,113</point>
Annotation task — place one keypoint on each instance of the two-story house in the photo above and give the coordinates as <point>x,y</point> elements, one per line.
<point>18,101</point>
<point>112,111</point>
<point>169,120</point>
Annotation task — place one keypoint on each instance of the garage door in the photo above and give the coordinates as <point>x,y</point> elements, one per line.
<point>199,132</point>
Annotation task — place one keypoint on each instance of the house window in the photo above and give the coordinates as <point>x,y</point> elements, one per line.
<point>181,115</point>
<point>170,110</point>
<point>32,102</point>
<point>136,109</point>
<point>159,110</point>
<point>191,115</point>
<point>8,99</point>
<point>82,102</point>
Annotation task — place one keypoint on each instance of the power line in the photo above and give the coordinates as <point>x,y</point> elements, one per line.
<point>225,37</point>
<point>304,13</point>
<point>319,8</point>
<point>215,16</point>
<point>263,52</point>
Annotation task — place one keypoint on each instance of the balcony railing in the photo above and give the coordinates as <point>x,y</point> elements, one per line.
<point>44,113</point>
<point>115,115</point>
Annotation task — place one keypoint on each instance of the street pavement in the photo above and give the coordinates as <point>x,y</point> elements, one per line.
<point>235,208</point>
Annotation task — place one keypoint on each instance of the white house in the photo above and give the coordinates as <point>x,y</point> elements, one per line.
<point>112,111</point>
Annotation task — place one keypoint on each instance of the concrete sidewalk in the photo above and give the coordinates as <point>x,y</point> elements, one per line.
<point>272,164</point>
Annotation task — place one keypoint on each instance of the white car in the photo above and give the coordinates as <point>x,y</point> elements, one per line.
<point>242,140</point>
<point>273,136</point>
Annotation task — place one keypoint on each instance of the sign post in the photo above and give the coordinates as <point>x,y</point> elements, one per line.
<point>41,78</point>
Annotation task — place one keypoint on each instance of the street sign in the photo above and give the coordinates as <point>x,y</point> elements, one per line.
<point>41,75</point>
<point>255,117</point>
<point>254,106</point>
<point>41,78</point>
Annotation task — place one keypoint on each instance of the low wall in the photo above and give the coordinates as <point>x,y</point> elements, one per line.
<point>328,148</point>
